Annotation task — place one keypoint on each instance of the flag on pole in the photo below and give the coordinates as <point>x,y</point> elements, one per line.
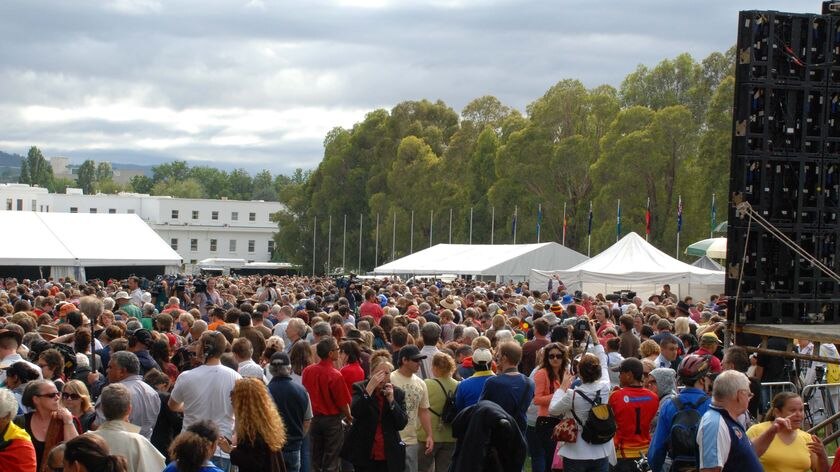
<point>589,227</point>
<point>647,219</point>
<point>714,218</point>
<point>618,221</point>
<point>564,223</point>
<point>679,214</point>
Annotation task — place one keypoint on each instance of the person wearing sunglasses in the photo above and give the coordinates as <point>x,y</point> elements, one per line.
<point>48,423</point>
<point>76,398</point>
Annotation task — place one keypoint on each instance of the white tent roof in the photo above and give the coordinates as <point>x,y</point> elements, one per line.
<point>509,260</point>
<point>81,239</point>
<point>632,260</point>
<point>706,262</point>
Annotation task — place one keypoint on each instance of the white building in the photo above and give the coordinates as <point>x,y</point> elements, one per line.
<point>196,228</point>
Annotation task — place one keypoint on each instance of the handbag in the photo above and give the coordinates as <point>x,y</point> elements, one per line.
<point>544,426</point>
<point>567,429</point>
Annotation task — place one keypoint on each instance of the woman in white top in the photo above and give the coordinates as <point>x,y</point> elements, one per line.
<point>581,456</point>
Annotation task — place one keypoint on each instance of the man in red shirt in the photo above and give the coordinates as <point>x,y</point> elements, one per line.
<point>330,400</point>
<point>370,307</point>
<point>634,408</point>
<point>709,344</point>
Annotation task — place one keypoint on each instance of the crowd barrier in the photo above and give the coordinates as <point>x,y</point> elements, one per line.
<point>821,402</point>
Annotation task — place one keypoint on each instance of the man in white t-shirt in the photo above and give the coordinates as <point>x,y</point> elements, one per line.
<point>416,404</point>
<point>203,393</point>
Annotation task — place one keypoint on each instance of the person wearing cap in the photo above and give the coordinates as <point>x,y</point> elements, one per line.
<point>139,341</point>
<point>10,340</point>
<point>330,401</point>
<point>634,408</point>
<point>293,404</point>
<point>469,390</point>
<point>709,344</point>
<point>694,373</point>
<point>416,405</point>
<point>123,303</point>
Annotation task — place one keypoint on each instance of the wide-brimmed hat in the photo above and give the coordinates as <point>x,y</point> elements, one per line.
<point>48,332</point>
<point>121,295</point>
<point>449,303</point>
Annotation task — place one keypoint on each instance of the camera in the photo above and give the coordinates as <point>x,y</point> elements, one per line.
<point>200,286</point>
<point>579,329</point>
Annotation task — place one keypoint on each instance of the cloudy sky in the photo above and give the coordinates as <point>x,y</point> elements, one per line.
<point>258,83</point>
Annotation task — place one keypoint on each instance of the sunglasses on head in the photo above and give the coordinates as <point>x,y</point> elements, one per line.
<point>70,396</point>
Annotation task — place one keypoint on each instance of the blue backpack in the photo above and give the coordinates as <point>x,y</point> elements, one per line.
<point>682,440</point>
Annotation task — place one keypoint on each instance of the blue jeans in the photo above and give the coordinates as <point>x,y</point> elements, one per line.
<point>305,454</point>
<point>222,463</point>
<point>292,460</point>
<point>586,465</point>
<point>541,450</point>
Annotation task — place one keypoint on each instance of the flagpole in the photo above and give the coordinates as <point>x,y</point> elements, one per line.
<point>344,246</point>
<point>515,212</point>
<point>450,226</point>
<point>314,230</point>
<point>411,238</point>
<point>589,236</point>
<point>679,225</point>
<point>329,246</point>
<point>618,222</point>
<point>431,226</point>
<point>376,246</point>
<point>492,224</point>
<point>714,218</point>
<point>471,220</point>
<point>647,219</point>
<point>564,223</point>
<point>394,237</point>
<point>359,268</point>
<point>539,221</point>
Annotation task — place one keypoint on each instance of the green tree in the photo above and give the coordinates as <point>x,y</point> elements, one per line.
<point>241,185</point>
<point>35,170</point>
<point>215,182</point>
<point>263,187</point>
<point>172,171</point>
<point>60,184</point>
<point>188,188</point>
<point>86,179</point>
<point>141,184</point>
<point>104,172</point>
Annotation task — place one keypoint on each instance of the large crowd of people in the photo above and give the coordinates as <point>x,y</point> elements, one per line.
<point>292,373</point>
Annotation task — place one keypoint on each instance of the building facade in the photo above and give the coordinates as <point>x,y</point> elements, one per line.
<point>196,228</point>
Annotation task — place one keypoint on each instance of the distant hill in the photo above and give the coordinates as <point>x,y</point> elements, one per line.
<point>10,160</point>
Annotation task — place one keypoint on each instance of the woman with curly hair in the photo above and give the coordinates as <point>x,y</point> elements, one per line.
<point>260,433</point>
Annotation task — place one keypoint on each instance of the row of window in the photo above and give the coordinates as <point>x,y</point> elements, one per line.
<point>214,215</point>
<point>10,205</point>
<point>111,211</point>
<point>214,245</point>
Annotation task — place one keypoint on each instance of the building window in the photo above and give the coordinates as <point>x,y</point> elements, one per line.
<point>20,204</point>
<point>234,216</point>
<point>174,214</point>
<point>212,245</point>
<point>252,216</point>
<point>34,205</point>
<point>93,210</point>
<point>193,245</point>
<point>214,215</point>
<point>195,214</point>
<point>251,245</point>
<point>232,245</point>
<point>271,246</point>
<point>174,243</point>
<point>74,210</point>
<point>9,204</point>
<point>131,211</point>
<point>112,211</point>
<point>193,261</point>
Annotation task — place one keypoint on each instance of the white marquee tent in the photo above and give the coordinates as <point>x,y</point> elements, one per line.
<point>67,243</point>
<point>500,261</point>
<point>634,264</point>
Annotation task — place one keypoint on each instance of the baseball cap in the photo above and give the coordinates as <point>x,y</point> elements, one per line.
<point>631,364</point>
<point>143,336</point>
<point>412,352</point>
<point>482,356</point>
<point>709,338</point>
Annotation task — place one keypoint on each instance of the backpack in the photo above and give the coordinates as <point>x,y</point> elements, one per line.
<point>448,412</point>
<point>682,439</point>
<point>600,423</point>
